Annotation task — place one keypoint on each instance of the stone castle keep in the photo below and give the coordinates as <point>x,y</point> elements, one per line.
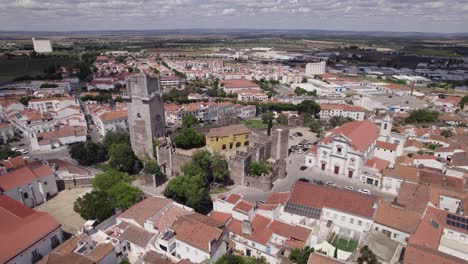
<point>273,149</point>
<point>146,119</point>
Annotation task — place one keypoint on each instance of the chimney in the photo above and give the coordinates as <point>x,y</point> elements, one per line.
<point>246,227</point>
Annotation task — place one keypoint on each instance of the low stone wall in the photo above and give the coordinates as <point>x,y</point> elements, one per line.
<point>71,183</point>
<point>263,182</point>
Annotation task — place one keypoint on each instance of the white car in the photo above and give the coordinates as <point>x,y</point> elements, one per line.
<point>300,151</point>
<point>23,151</point>
<point>14,149</point>
<point>365,191</point>
<point>349,188</point>
<point>330,183</point>
<point>26,157</point>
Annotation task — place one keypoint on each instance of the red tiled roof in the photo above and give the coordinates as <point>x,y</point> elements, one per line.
<point>361,133</point>
<point>21,227</point>
<point>196,233</point>
<point>239,83</point>
<point>243,207</point>
<point>317,258</point>
<point>220,217</point>
<point>143,210</point>
<point>398,218</point>
<point>228,130</point>
<point>415,254</point>
<point>23,175</point>
<point>377,163</point>
<point>386,145</point>
<point>233,198</point>
<point>278,198</point>
<point>322,196</point>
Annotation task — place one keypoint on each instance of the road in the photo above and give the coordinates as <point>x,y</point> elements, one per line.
<point>295,161</point>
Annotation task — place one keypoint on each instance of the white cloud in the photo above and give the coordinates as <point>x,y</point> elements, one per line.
<point>395,15</point>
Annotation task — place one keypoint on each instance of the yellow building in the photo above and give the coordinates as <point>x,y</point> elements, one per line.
<point>228,137</point>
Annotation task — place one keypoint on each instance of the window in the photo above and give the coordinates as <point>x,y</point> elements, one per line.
<point>196,252</point>
<point>36,254</point>
<point>25,195</point>
<point>462,237</point>
<point>351,220</point>
<point>339,149</point>
<point>246,136</point>
<point>396,236</point>
<point>253,244</point>
<point>187,249</point>
<point>376,228</point>
<point>359,223</point>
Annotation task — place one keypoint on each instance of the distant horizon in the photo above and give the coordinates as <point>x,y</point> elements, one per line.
<point>422,16</point>
<point>222,30</point>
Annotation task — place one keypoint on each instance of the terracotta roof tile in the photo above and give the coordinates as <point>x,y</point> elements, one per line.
<point>317,196</point>
<point>397,217</point>
<point>23,224</point>
<point>243,207</point>
<point>361,133</point>
<point>143,210</point>
<point>386,145</point>
<point>228,130</point>
<point>195,233</point>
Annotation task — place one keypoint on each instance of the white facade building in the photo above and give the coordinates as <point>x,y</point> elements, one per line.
<point>315,68</point>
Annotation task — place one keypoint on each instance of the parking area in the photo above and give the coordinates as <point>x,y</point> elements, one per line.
<point>295,139</point>
<point>61,208</point>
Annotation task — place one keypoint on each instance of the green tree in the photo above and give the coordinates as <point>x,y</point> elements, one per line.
<point>151,167</point>
<point>309,106</point>
<point>25,100</point>
<point>301,256</point>
<point>259,168</point>
<point>189,121</point>
<point>219,168</point>
<point>123,158</point>
<point>88,153</point>
<point>422,116</point>
<point>125,195</point>
<point>338,121</point>
<point>367,256</point>
<point>191,192</point>
<point>96,205</point>
<point>105,181</point>
<point>267,117</point>
<point>300,91</point>
<point>189,138</point>
<point>463,101</point>
<point>115,137</point>
<point>446,133</point>
<point>6,152</point>
<point>235,259</point>
<point>282,119</point>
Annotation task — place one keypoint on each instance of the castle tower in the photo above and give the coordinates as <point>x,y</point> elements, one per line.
<point>146,119</point>
<point>386,126</point>
<point>279,142</point>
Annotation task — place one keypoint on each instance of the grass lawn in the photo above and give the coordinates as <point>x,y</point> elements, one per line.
<point>344,244</point>
<point>255,123</point>
<point>20,66</point>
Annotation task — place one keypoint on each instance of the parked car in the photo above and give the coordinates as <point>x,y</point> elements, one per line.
<point>300,151</point>
<point>349,188</point>
<point>14,149</point>
<point>303,180</point>
<point>299,134</point>
<point>365,191</point>
<point>331,184</point>
<point>26,157</point>
<point>303,168</point>
<point>318,182</point>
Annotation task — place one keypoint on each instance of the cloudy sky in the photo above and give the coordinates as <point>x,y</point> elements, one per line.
<point>358,15</point>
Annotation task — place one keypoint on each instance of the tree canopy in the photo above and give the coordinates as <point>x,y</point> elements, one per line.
<point>422,116</point>
<point>189,138</point>
<point>190,191</point>
<point>123,158</point>
<point>463,101</point>
<point>259,168</point>
<point>309,106</point>
<point>300,256</point>
<point>96,205</point>
<point>115,137</point>
<point>235,259</point>
<point>151,167</point>
<point>210,167</point>
<point>88,153</point>
<point>125,195</point>
<point>367,256</point>
<point>189,121</point>
<point>338,121</point>
<point>282,119</point>
<point>105,181</point>
<point>446,133</point>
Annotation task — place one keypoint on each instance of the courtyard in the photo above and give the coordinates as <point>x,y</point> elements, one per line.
<point>61,208</point>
